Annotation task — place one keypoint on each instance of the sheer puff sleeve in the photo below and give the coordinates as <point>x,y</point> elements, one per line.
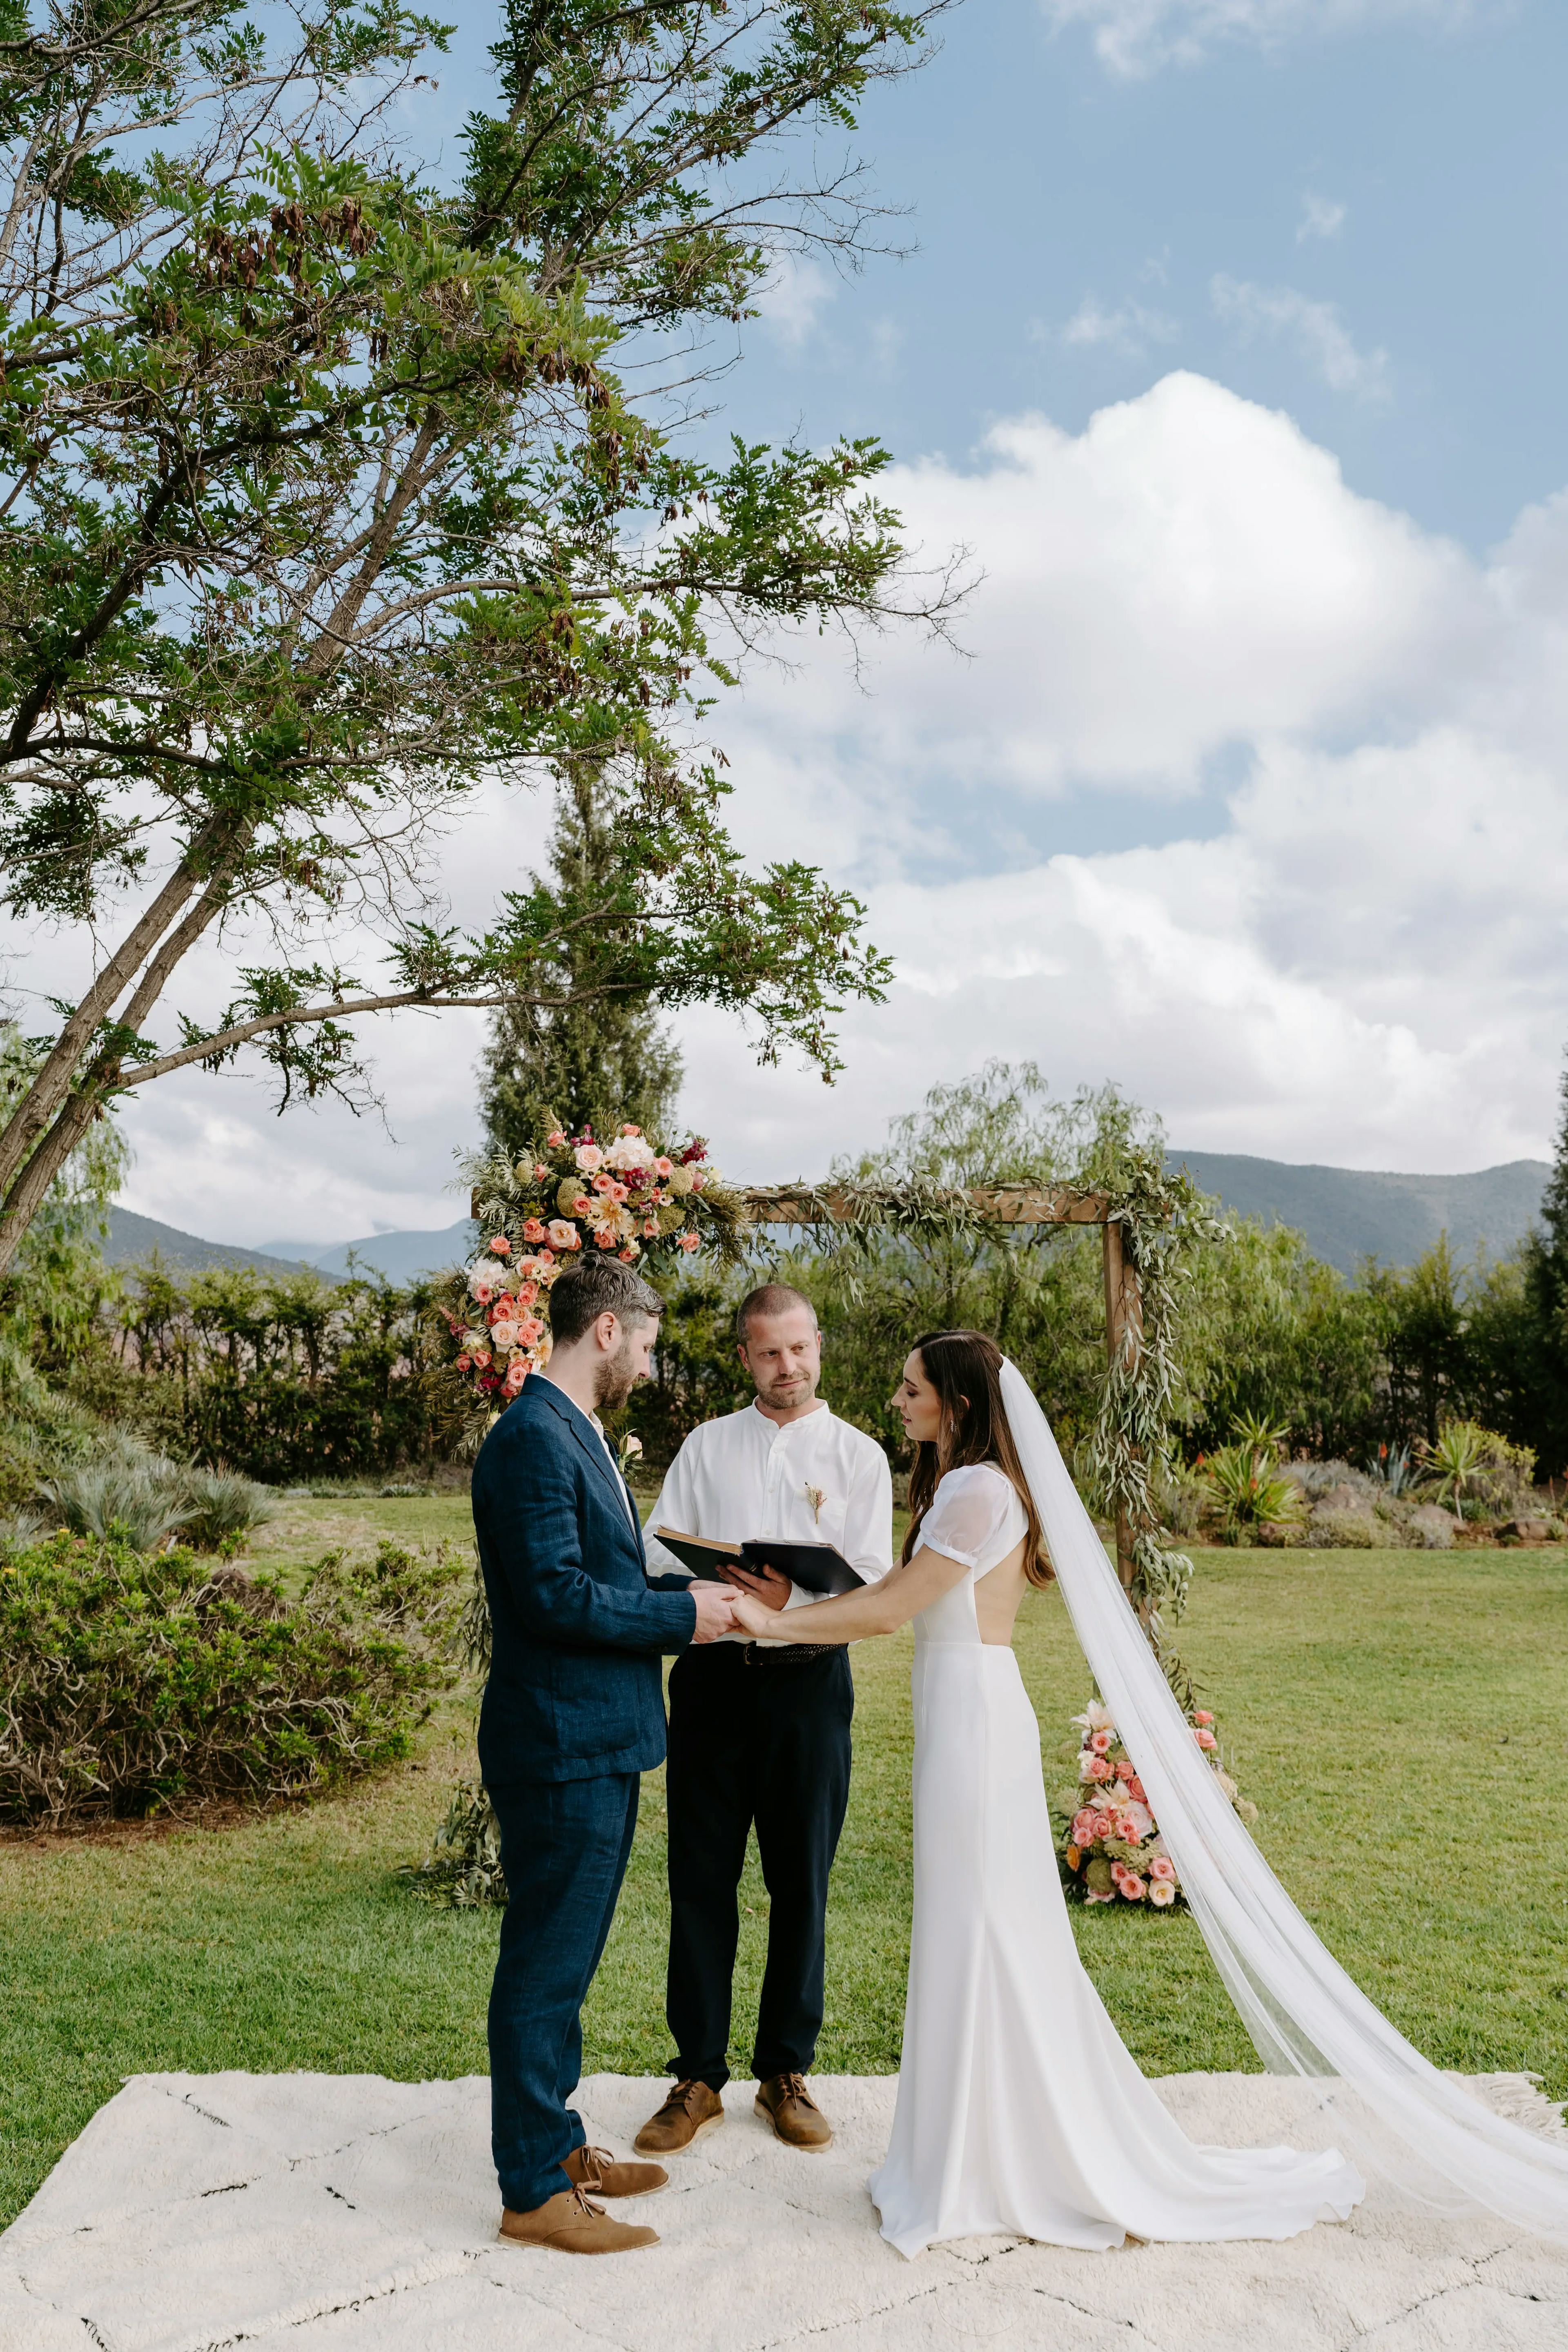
<point>975,1516</point>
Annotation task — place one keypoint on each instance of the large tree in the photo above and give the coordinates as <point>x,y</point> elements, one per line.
<point>327,504</point>
<point>588,1060</point>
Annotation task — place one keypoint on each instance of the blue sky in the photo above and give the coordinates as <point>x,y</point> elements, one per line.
<point>1233,347</point>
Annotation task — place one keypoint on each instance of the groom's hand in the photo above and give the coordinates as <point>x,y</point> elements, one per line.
<point>715,1610</point>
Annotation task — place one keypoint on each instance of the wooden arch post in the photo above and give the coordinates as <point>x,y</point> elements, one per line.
<point>1008,1204</point>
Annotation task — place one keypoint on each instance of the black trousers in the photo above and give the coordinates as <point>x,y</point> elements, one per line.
<point>763,1741</point>
<point>564,1847</point>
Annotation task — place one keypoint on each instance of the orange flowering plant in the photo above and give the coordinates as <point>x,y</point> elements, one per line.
<point>537,1216</point>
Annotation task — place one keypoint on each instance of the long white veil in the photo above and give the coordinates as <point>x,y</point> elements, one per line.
<point>1303,2011</point>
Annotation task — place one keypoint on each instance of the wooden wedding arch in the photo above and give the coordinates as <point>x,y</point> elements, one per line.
<point>1003,1205</point>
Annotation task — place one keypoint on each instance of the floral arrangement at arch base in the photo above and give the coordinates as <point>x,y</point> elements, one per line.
<point>570,1197</point>
<point>1114,1852</point>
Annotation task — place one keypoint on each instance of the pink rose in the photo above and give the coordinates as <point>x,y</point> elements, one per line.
<point>1162,1867</point>
<point>1201,1715</point>
<point>617,1192</point>
<point>1204,1739</point>
<point>533,1230</point>
<point>1091,1897</point>
<point>603,1183</point>
<point>1118,1871</point>
<point>1098,1769</point>
<point>1135,1788</point>
<point>481,1357</point>
<point>1133,1886</point>
<point>540,1171</point>
<point>1102,1825</point>
<point>529,1331</point>
<point>1083,1829</point>
<point>631,1130</point>
<point>1161,1893</point>
<point>526,1292</point>
<point>587,1156</point>
<point>688,1240</point>
<point>664,1167</point>
<point>1100,1742</point>
<point>501,1247</point>
<point>516,1373</point>
<point>629,1252</point>
<point>606,1237</point>
<point>651,1228</point>
<point>553,1142</point>
<point>463,1362</point>
<point>565,1236</point>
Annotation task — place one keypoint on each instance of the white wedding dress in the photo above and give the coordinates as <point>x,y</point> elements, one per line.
<point>1019,2109</point>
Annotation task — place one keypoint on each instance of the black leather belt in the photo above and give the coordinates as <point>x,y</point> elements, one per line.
<point>789,1652</point>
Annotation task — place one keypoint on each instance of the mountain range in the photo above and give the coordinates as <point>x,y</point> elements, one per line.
<point>1345,1214</point>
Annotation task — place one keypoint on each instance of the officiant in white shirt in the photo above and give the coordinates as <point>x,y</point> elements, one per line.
<point>759,1735</point>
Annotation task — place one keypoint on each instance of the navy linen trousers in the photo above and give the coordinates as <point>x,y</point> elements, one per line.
<point>564,1847</point>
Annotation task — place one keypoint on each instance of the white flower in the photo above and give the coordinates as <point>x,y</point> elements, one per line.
<point>1096,1716</point>
<point>503,1334</point>
<point>630,1152</point>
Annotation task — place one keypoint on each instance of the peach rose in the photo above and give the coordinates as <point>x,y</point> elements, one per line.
<point>688,1240</point>
<point>1100,1742</point>
<point>606,1237</point>
<point>629,1252</point>
<point>1162,1867</point>
<point>463,1362</point>
<point>629,1130</point>
<point>1161,1893</point>
<point>1135,1788</point>
<point>1204,1739</point>
<point>1201,1715</point>
<point>1097,1768</point>
<point>565,1236</point>
<point>1133,1886</point>
<point>526,1292</point>
<point>540,1171</point>
<point>587,1156</point>
<point>664,1167</point>
<point>529,1331</point>
<point>533,1230</point>
<point>481,1357</point>
<point>504,1333</point>
<point>553,1142</point>
<point>603,1183</point>
<point>516,1373</point>
<point>500,1245</point>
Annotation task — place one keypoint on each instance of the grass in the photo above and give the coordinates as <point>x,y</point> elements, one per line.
<point>1398,1716</point>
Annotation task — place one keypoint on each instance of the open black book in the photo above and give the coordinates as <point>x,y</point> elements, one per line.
<point>816,1567</point>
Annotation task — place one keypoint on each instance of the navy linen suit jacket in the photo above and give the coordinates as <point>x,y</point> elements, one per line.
<point>577,1624</point>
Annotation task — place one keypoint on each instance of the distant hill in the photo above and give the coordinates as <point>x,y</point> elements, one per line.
<point>1351,1214</point>
<point>400,1256</point>
<point>133,1240</point>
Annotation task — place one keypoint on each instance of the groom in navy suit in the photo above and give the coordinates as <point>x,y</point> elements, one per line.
<point>573,1713</point>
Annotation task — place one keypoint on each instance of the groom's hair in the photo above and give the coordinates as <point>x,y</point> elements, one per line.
<point>600,1286</point>
<point>773,1298</point>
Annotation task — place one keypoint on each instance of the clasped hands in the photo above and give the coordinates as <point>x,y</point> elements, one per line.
<point>747,1606</point>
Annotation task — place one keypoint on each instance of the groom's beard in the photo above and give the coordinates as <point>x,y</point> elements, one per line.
<point>618,1376</point>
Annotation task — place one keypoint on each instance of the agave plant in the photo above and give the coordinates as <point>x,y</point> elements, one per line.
<point>1243,1486</point>
<point>220,1506</point>
<point>130,1501</point>
<point>1391,1467</point>
<point>1457,1459</point>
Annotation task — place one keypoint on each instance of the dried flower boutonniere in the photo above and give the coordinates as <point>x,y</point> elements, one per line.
<point>815,1497</point>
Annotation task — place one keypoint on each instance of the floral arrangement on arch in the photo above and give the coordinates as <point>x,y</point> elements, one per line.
<point>1113,1851</point>
<point>539,1214</point>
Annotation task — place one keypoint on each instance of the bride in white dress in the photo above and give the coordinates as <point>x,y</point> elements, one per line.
<point>1019,2109</point>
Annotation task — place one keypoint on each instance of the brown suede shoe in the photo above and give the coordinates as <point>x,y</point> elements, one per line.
<point>570,2225</point>
<point>599,2174</point>
<point>690,2110</point>
<point>784,2102</point>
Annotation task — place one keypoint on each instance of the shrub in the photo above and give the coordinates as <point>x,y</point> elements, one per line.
<point>1341,1531</point>
<point>138,1503</point>
<point>221,1507</point>
<point>1243,1488</point>
<point>136,1682</point>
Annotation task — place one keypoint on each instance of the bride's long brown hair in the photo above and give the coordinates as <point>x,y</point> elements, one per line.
<point>965,1367</point>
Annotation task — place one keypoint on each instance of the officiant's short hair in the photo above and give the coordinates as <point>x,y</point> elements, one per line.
<point>771,1298</point>
<point>600,1286</point>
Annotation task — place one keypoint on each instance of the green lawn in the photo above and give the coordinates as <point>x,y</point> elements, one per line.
<point>1400,1717</point>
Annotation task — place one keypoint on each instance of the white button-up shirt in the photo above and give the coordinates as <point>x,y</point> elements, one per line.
<point>815,1480</point>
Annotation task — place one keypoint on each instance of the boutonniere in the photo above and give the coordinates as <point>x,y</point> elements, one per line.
<point>815,1497</point>
<point>630,1451</point>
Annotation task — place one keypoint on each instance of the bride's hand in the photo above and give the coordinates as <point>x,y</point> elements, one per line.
<point>754,1616</point>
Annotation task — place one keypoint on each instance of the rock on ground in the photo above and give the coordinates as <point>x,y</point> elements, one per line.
<point>318,2213</point>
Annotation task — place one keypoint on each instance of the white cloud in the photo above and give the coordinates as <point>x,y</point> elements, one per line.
<point>1321,217</point>
<point>792,301</point>
<point>1316,329</point>
<point>1137,37</point>
<point>1128,330</point>
<point>1357,957</point>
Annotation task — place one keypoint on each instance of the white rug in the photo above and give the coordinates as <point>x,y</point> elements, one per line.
<point>323,2214</point>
